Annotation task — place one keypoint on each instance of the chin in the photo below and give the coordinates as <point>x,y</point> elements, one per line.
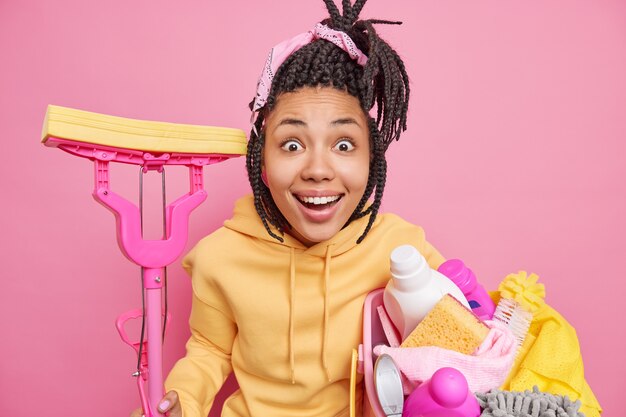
<point>315,237</point>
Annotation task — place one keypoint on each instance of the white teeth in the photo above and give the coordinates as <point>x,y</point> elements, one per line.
<point>319,200</point>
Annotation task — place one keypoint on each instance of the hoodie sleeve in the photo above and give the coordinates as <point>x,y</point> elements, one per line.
<point>199,375</point>
<point>432,255</point>
<point>404,232</point>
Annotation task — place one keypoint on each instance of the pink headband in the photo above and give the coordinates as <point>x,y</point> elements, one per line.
<point>283,50</point>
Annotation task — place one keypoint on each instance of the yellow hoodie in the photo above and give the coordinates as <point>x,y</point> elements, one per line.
<point>283,316</point>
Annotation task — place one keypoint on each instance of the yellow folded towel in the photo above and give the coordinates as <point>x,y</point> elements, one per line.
<point>550,358</point>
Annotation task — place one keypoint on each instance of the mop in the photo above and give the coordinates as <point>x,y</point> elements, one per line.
<point>533,403</point>
<point>152,146</point>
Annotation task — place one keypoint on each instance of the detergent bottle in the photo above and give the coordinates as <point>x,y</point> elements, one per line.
<point>414,289</point>
<point>482,305</point>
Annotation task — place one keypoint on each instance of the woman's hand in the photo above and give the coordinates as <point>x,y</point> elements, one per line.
<point>168,404</point>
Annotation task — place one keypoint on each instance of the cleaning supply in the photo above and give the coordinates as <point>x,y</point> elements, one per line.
<point>550,357</point>
<point>520,297</point>
<point>486,369</point>
<point>414,289</point>
<point>445,394</point>
<point>498,403</point>
<point>449,325</point>
<point>152,146</point>
<point>388,386</point>
<point>482,305</point>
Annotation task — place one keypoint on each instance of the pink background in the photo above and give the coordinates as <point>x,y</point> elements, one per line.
<point>514,159</point>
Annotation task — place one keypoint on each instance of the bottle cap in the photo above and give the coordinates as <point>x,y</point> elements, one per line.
<point>458,273</point>
<point>405,260</point>
<point>448,387</point>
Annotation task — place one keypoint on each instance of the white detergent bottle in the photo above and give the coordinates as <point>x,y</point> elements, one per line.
<point>414,289</point>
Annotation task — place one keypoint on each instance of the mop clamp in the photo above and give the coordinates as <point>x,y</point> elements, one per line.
<point>149,253</point>
<point>150,145</point>
<point>154,163</point>
<point>148,160</point>
<point>140,347</point>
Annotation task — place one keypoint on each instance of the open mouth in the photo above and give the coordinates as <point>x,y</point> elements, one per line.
<point>318,203</point>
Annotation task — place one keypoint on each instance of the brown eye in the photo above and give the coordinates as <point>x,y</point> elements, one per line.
<point>344,145</point>
<point>291,146</point>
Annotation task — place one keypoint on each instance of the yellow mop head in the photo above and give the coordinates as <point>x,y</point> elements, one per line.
<point>142,135</point>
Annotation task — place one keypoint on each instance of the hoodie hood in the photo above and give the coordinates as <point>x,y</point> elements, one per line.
<point>246,220</point>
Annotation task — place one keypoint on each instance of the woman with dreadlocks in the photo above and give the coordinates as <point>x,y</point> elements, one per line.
<point>278,290</point>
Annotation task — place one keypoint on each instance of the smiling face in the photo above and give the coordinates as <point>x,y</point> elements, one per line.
<point>316,160</point>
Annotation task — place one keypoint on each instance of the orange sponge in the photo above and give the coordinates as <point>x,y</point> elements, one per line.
<point>449,325</point>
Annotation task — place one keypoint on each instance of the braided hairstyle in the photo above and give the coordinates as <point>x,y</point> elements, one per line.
<point>382,82</point>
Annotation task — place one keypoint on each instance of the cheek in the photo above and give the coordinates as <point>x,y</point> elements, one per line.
<point>356,175</point>
<point>271,174</point>
<point>275,184</point>
<point>280,180</point>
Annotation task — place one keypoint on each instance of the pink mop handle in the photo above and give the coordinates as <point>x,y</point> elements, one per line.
<point>153,282</point>
<point>149,375</point>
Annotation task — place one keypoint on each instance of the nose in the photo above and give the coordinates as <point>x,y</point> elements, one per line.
<point>318,167</point>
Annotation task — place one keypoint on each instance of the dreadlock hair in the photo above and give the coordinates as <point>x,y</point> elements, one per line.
<point>382,82</point>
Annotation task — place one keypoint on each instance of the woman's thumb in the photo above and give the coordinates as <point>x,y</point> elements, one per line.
<point>168,401</point>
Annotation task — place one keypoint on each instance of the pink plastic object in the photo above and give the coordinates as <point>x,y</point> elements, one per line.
<point>482,305</point>
<point>445,394</point>
<point>141,348</point>
<point>373,335</point>
<point>152,255</point>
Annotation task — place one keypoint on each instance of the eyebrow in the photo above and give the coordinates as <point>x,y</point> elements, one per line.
<point>345,121</point>
<point>298,122</point>
<point>292,122</point>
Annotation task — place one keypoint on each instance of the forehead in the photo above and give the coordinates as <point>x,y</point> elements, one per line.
<point>315,102</point>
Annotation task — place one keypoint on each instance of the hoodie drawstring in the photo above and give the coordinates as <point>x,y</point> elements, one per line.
<point>292,295</point>
<point>292,302</point>
<point>325,330</point>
